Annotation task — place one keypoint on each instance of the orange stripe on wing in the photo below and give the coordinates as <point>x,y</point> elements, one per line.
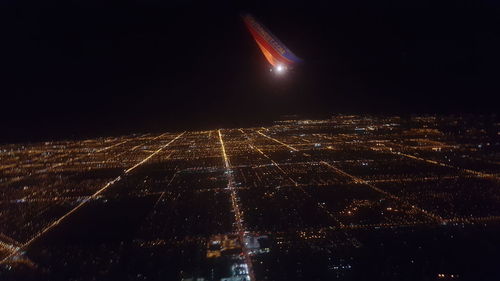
<point>267,49</point>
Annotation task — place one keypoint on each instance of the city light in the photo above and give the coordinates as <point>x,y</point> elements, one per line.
<point>234,198</point>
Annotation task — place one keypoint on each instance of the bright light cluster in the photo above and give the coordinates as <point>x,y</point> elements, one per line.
<point>279,69</point>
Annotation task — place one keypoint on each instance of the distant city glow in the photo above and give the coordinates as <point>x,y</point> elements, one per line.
<point>262,193</point>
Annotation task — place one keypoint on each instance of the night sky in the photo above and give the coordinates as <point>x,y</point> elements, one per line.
<point>74,69</point>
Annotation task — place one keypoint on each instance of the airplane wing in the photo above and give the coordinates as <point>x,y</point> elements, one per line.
<point>276,53</point>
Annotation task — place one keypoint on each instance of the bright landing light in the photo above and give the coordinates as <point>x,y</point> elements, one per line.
<point>279,69</point>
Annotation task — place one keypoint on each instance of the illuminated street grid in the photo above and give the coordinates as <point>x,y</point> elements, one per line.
<point>320,186</point>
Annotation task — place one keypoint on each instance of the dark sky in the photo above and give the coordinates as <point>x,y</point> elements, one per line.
<point>84,68</point>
